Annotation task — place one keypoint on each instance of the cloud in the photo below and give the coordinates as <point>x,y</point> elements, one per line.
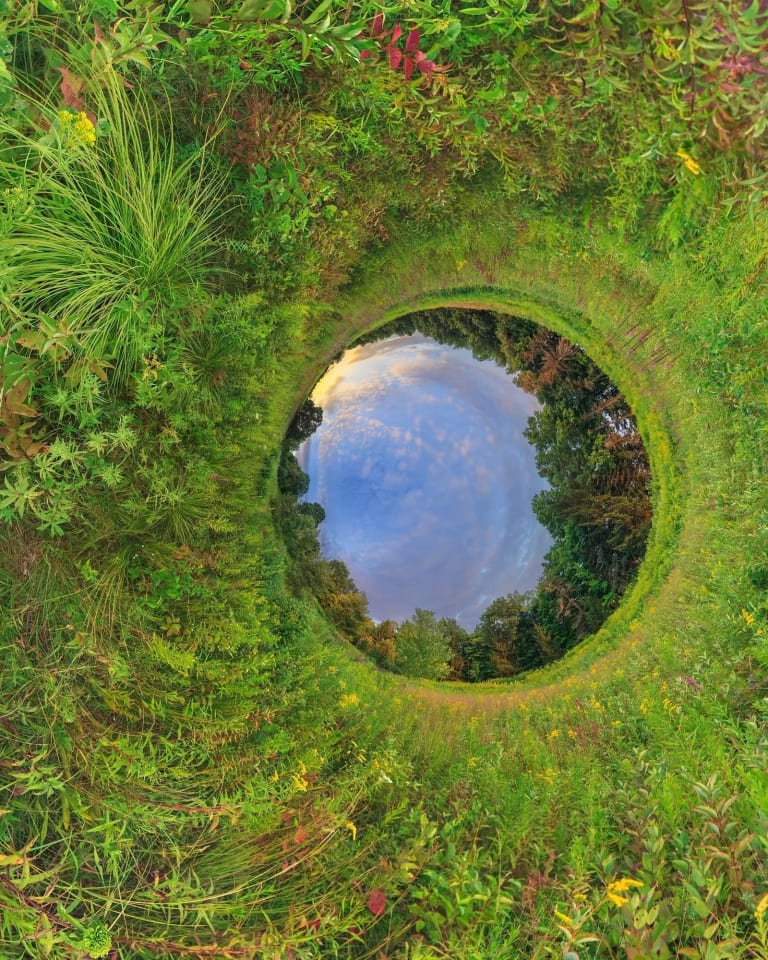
<point>426,478</point>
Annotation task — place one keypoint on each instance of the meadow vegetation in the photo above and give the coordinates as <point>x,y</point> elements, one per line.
<point>200,204</point>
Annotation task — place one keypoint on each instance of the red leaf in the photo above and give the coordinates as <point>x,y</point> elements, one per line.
<point>98,33</point>
<point>71,86</point>
<point>395,57</point>
<point>426,66</point>
<point>366,54</point>
<point>300,836</point>
<point>378,25</point>
<point>377,902</point>
<point>396,33</point>
<point>244,65</point>
<point>32,449</point>
<point>412,41</point>
<point>409,65</point>
<point>15,397</point>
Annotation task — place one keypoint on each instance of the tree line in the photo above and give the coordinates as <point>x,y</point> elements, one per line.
<point>597,508</point>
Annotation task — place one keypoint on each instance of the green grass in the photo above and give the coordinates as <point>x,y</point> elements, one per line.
<point>106,224</point>
<point>194,765</point>
<point>652,682</point>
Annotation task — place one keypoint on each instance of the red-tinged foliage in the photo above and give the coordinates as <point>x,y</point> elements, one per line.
<point>408,60</point>
<point>71,88</point>
<point>301,835</point>
<point>377,902</point>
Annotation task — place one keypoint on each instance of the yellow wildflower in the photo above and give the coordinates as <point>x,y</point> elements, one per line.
<point>553,734</point>
<point>76,128</point>
<point>671,707</point>
<point>579,898</point>
<point>761,907</point>
<point>614,890</point>
<point>564,918</point>
<point>352,828</point>
<point>85,130</point>
<point>300,783</point>
<point>621,886</point>
<point>689,162</point>
<point>749,618</point>
<point>615,898</point>
<point>349,700</point>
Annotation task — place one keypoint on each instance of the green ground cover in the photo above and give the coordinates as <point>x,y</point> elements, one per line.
<point>193,763</point>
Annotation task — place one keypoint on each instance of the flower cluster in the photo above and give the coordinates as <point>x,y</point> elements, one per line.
<point>689,162</point>
<point>614,890</point>
<point>76,128</point>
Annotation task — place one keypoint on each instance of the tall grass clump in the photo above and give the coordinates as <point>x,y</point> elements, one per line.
<point>103,222</point>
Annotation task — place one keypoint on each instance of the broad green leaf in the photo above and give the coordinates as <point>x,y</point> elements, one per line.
<point>319,12</point>
<point>347,31</point>
<point>200,10</point>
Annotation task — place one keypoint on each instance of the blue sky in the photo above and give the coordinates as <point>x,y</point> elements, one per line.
<point>426,478</point>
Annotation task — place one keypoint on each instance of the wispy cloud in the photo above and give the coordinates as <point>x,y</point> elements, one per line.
<point>426,478</point>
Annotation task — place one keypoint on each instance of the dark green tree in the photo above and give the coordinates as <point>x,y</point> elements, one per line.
<point>308,418</point>
<point>507,639</point>
<point>461,646</point>
<point>344,605</point>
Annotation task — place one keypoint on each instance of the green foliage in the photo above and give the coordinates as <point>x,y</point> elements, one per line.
<point>193,763</point>
<point>422,648</point>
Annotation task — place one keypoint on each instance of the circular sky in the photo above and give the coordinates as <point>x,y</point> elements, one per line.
<point>426,478</point>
